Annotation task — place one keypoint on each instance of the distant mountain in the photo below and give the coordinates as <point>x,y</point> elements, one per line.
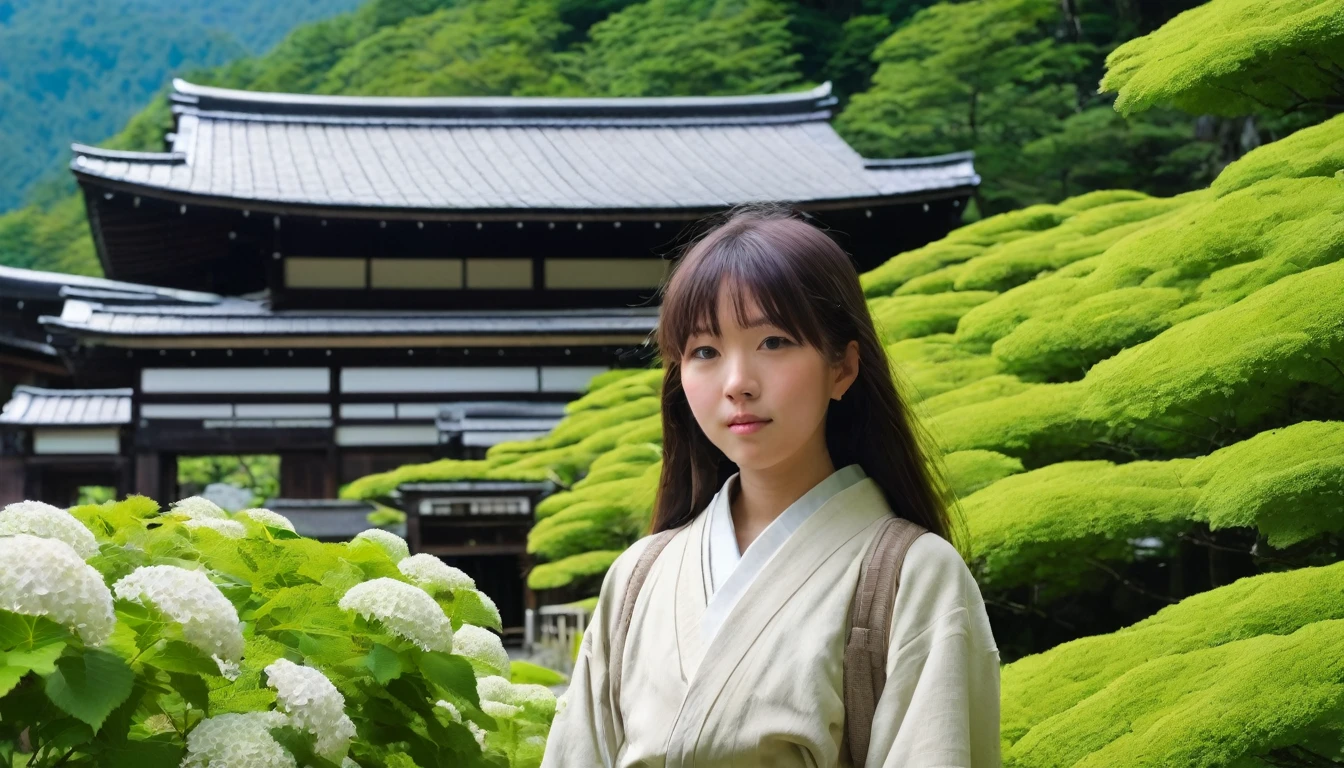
<point>78,69</point>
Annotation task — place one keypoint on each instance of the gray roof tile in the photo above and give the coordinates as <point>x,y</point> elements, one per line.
<point>235,317</point>
<point>513,153</point>
<point>37,407</point>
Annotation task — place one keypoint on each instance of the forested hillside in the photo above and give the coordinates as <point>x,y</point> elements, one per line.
<point>1014,80</point>
<point>76,70</point>
<point>1140,400</point>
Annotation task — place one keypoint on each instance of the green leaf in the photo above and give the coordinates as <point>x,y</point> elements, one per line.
<point>65,734</point>
<point>156,752</point>
<point>41,660</point>
<point>193,690</point>
<point>177,656</point>
<point>384,663</point>
<point>453,673</point>
<point>10,677</point>
<point>89,685</point>
<point>300,745</point>
<point>469,608</point>
<point>21,632</point>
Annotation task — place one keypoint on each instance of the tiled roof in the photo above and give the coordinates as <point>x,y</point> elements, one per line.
<point>19,283</point>
<point>242,317</point>
<point>489,423</point>
<point>512,153</point>
<point>32,406</point>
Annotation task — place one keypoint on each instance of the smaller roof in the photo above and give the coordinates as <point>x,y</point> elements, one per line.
<point>478,486</point>
<point>37,407</point>
<point>16,283</point>
<point>244,322</point>
<point>483,424</point>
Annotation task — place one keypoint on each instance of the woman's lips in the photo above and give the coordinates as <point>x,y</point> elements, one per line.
<point>748,427</point>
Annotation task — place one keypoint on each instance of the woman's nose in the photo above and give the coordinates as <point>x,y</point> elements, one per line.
<point>741,382</point>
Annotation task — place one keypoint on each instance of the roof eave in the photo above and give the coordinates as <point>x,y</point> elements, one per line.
<point>278,207</point>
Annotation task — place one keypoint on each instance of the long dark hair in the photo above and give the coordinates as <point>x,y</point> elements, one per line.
<point>806,284</point>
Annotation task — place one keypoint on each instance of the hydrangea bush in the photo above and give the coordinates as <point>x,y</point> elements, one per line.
<point>131,636</point>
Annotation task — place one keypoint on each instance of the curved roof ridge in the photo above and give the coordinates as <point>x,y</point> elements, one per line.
<point>210,99</point>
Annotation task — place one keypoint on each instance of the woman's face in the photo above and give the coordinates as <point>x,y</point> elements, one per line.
<point>764,373</point>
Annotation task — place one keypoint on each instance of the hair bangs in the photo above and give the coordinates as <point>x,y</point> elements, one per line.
<point>748,263</point>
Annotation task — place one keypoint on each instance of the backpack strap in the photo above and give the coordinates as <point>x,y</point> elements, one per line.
<point>865,665</point>
<point>651,551</point>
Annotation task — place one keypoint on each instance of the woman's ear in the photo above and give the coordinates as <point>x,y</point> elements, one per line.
<point>847,370</point>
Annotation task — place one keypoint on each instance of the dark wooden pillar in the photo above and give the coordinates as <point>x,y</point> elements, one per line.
<point>306,476</point>
<point>13,476</point>
<point>156,476</point>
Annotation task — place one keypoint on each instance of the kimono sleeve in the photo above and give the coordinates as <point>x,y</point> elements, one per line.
<point>940,705</point>
<point>586,731</point>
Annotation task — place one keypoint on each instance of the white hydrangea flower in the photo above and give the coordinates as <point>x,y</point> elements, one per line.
<point>208,619</point>
<point>227,669</point>
<point>237,741</point>
<point>477,733</point>
<point>348,763</point>
<point>197,508</point>
<point>313,705</point>
<point>430,571</point>
<point>538,698</point>
<point>47,577</point>
<point>452,710</point>
<point>230,528</point>
<point>405,610</point>
<point>40,519</point>
<point>499,709</point>
<point>391,543</point>
<point>267,517</point>
<point>483,646</point>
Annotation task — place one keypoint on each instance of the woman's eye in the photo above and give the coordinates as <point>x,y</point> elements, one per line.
<point>695,353</point>
<point>782,341</point>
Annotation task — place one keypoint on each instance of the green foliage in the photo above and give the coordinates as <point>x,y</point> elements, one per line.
<point>527,673</point>
<point>1230,57</point>
<point>1224,675</point>
<point>480,48</point>
<point>969,471</point>
<point>259,474</point>
<point>75,70</point>
<point>55,239</point>
<point>687,48</point>
<point>570,569</point>
<point>139,695</point>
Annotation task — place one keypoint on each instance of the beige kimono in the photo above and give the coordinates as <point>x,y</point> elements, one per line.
<point>763,686</point>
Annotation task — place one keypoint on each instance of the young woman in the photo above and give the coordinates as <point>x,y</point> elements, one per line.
<point>785,445</point>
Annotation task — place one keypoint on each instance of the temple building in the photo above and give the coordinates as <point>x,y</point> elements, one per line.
<point>358,283</point>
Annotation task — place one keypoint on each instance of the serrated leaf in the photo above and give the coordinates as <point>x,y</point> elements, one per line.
<point>66,733</point>
<point>40,660</point>
<point>452,673</point>
<point>177,656</point>
<point>10,677</point>
<point>192,689</point>
<point>384,663</point>
<point>89,685</point>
